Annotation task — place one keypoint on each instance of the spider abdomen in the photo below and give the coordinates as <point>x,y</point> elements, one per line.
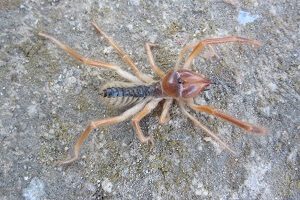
<point>136,91</point>
<point>120,94</point>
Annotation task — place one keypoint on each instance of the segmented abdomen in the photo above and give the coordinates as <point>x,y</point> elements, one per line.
<point>120,94</point>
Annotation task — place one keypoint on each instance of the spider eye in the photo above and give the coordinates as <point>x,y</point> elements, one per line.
<point>180,81</point>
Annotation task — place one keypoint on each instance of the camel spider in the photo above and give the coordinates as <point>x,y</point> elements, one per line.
<point>144,93</point>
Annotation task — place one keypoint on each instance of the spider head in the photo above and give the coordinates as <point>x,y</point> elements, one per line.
<point>184,83</point>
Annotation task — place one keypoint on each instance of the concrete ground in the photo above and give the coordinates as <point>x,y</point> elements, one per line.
<point>47,99</point>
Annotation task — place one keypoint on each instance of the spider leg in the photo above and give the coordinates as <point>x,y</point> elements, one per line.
<point>198,48</point>
<point>182,52</point>
<point>165,115</point>
<point>212,53</point>
<point>125,57</point>
<point>244,125</point>
<point>95,63</point>
<point>136,120</point>
<point>204,128</point>
<point>98,123</point>
<point>154,67</point>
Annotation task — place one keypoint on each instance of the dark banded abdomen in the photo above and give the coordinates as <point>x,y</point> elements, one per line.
<point>136,91</point>
<point>120,94</point>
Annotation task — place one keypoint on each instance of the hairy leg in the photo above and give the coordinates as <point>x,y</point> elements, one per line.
<point>136,120</point>
<point>125,57</point>
<point>204,128</point>
<point>182,53</point>
<point>244,125</point>
<point>95,63</point>
<point>102,122</point>
<point>212,53</point>
<point>154,67</point>
<point>165,115</point>
<point>198,48</point>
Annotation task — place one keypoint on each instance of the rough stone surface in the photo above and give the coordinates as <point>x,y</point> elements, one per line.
<point>47,99</point>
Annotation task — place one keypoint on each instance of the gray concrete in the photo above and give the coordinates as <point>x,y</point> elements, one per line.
<point>47,98</point>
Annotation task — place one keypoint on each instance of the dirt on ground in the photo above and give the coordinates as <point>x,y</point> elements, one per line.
<point>47,99</point>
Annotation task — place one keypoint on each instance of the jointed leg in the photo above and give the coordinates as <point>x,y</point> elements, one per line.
<point>136,120</point>
<point>102,122</point>
<point>201,44</point>
<point>125,57</point>
<point>244,125</point>
<point>95,63</point>
<point>188,47</point>
<point>211,54</point>
<point>182,53</point>
<point>204,128</point>
<point>154,67</point>
<point>165,115</point>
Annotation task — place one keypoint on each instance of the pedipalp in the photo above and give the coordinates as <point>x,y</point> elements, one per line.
<point>244,125</point>
<point>200,45</point>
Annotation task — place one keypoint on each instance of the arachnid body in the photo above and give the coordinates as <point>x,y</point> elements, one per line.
<point>143,93</point>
